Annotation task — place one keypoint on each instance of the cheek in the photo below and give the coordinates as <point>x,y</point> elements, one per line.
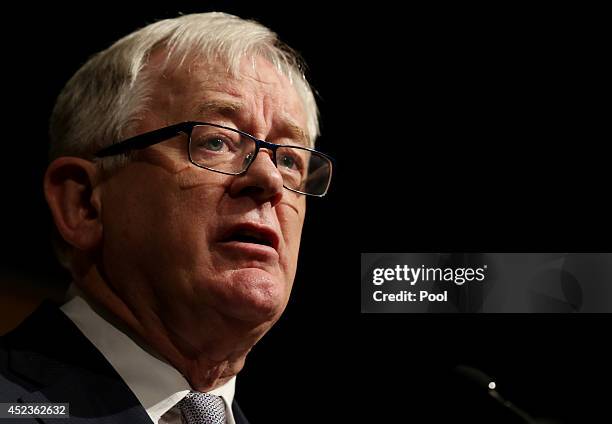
<point>161,222</point>
<point>291,220</point>
<point>192,219</point>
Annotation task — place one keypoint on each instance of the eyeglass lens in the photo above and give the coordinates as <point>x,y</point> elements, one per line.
<point>228,151</point>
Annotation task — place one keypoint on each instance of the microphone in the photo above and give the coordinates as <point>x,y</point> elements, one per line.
<point>482,380</point>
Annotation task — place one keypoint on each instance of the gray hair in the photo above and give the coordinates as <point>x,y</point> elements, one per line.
<point>110,92</point>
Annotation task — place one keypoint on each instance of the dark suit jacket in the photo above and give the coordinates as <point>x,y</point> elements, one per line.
<point>48,359</point>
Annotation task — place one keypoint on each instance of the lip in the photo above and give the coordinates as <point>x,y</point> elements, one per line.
<point>263,231</point>
<point>252,251</point>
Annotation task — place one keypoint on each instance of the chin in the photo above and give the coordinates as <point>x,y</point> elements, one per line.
<point>255,295</point>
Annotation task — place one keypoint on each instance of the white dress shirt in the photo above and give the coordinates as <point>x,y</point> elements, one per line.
<point>157,385</point>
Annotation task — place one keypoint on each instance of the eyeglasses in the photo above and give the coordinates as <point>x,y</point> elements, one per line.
<point>230,151</point>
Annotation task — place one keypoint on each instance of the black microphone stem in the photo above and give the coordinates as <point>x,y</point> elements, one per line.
<point>524,415</point>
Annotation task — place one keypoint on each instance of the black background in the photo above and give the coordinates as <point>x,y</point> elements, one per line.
<point>454,129</point>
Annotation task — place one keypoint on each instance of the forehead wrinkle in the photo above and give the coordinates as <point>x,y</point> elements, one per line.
<point>238,111</point>
<point>211,76</point>
<point>232,110</point>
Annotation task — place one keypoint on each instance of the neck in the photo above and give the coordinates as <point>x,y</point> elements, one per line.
<point>207,359</point>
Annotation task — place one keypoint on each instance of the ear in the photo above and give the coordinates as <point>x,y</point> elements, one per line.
<point>76,207</point>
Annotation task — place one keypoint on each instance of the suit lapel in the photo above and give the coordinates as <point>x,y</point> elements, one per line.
<point>238,415</point>
<point>91,400</point>
<point>50,352</point>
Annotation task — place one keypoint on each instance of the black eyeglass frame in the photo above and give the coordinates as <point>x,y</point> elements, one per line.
<point>150,138</point>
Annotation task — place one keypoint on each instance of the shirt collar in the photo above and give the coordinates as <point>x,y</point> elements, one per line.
<point>157,385</point>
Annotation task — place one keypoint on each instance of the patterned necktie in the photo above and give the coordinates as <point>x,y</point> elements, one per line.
<point>202,408</point>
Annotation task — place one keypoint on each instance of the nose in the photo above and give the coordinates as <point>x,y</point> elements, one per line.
<point>263,181</point>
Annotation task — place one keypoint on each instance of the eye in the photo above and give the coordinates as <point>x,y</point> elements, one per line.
<point>213,144</point>
<point>288,162</point>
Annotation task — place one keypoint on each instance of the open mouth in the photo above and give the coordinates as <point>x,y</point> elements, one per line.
<point>250,237</point>
<point>253,235</point>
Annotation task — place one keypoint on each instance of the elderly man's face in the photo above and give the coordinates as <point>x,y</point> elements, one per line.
<point>186,243</point>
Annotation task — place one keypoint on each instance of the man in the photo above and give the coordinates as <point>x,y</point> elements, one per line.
<point>179,224</point>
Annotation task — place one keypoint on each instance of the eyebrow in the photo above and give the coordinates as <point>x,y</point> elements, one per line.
<point>220,107</point>
<point>232,110</point>
<point>297,133</point>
